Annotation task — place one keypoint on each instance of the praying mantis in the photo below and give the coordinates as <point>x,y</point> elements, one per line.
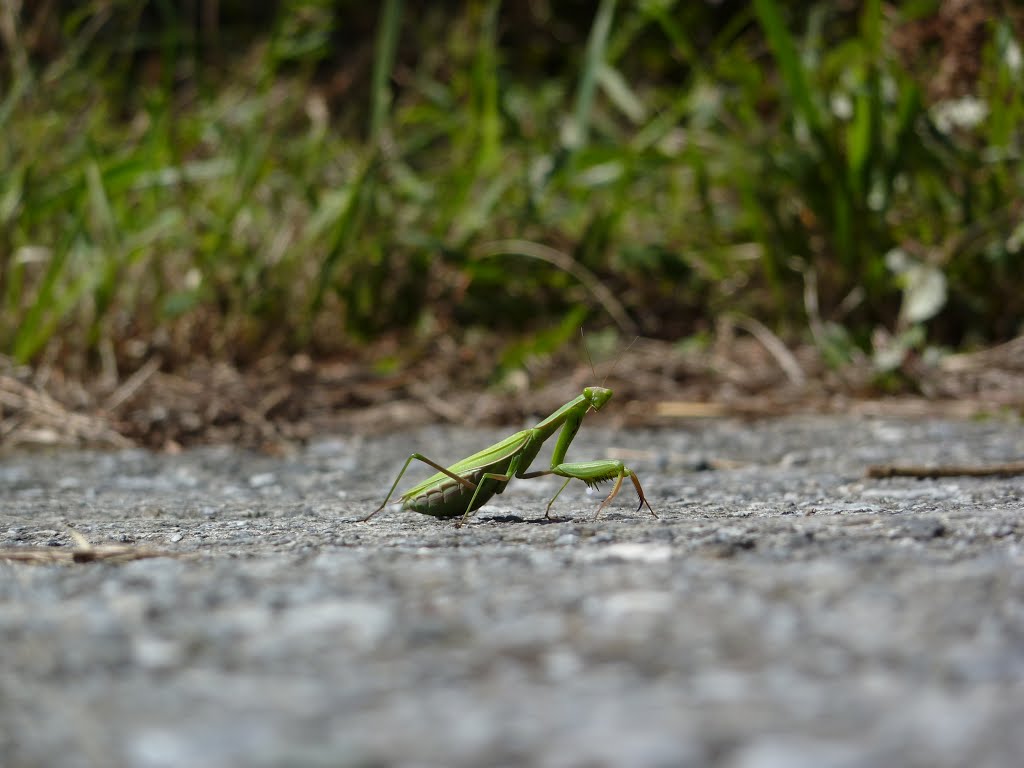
<point>467,485</point>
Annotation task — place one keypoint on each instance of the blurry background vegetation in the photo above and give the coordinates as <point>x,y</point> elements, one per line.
<point>224,178</point>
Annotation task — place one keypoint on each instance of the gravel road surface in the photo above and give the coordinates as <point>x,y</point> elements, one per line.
<point>783,611</point>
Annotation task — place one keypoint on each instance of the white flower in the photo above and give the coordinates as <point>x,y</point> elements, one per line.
<point>1012,56</point>
<point>967,112</point>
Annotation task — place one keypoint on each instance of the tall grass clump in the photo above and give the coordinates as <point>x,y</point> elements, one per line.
<point>889,213</point>
<point>315,175</point>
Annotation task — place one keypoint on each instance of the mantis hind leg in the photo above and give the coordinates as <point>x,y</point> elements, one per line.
<point>512,471</point>
<point>480,484</point>
<point>429,463</point>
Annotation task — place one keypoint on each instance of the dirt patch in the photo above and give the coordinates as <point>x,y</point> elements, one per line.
<point>281,401</point>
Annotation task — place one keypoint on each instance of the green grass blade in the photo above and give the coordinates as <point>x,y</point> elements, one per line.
<point>342,218</point>
<point>486,86</point>
<point>38,322</point>
<point>614,84</point>
<point>791,68</point>
<point>593,59</point>
<point>858,141</point>
<point>863,134</point>
<point>467,209</point>
<point>100,209</point>
<point>388,28</point>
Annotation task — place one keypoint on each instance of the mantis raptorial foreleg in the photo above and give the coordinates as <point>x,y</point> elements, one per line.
<point>592,473</point>
<point>513,469</point>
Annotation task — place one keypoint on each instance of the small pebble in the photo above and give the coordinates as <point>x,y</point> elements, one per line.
<point>262,480</point>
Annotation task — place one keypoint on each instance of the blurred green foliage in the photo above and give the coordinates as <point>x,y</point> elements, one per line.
<point>203,177</point>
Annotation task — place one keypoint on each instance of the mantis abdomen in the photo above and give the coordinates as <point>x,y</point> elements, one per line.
<point>447,498</point>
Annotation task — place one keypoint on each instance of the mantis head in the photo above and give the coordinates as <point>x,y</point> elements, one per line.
<point>597,396</point>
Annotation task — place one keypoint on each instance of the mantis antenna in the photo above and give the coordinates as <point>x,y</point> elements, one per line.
<point>586,350</point>
<point>590,360</point>
<point>617,359</point>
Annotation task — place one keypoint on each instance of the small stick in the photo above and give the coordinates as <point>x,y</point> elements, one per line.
<point>132,384</point>
<point>83,551</point>
<point>1009,469</point>
<point>105,553</point>
<point>773,344</point>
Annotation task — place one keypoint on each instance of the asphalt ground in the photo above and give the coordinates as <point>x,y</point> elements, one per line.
<point>783,610</point>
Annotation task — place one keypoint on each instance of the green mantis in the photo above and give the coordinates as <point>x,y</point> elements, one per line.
<point>467,485</point>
